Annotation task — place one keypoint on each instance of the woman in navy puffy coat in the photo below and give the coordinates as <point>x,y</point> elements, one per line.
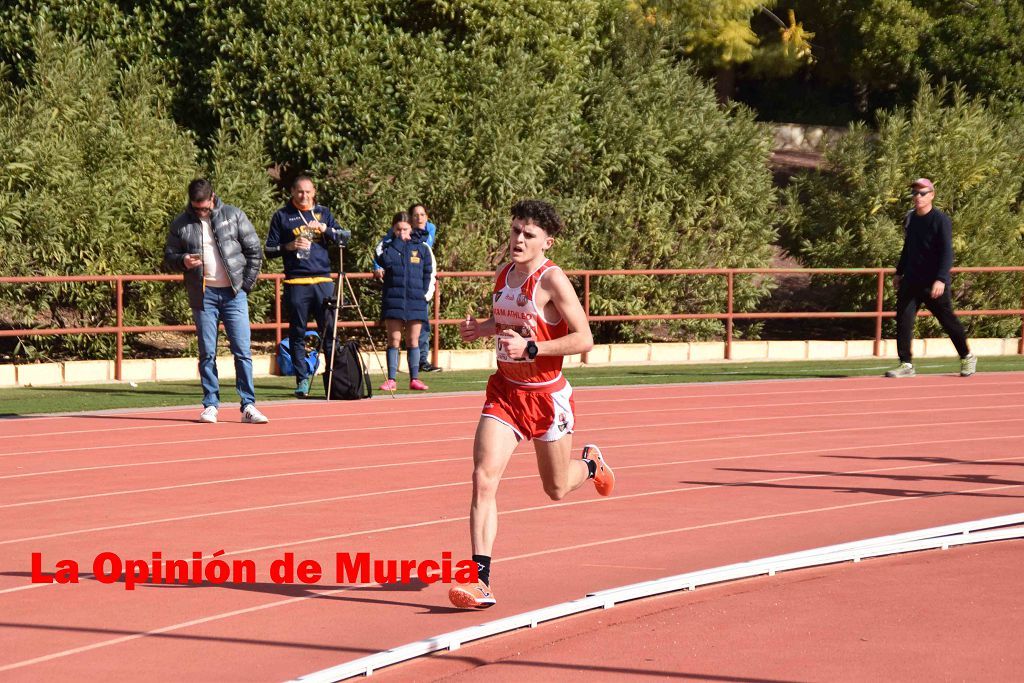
<point>408,265</point>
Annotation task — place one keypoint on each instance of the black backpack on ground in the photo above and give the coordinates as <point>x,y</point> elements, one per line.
<point>346,378</point>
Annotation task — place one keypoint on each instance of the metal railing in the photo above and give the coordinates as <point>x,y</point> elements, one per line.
<point>729,316</point>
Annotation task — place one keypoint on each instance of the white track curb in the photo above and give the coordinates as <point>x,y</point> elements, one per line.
<point>979,531</point>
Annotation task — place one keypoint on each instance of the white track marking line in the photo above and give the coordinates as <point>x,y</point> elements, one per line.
<point>775,454</point>
<point>313,450</point>
<point>685,489</point>
<point>172,487</point>
<point>712,525</point>
<point>476,419</point>
<point>288,601</point>
<point>588,501</point>
<point>237,437</point>
<point>589,389</point>
<point>192,424</point>
<point>172,627</point>
<point>277,452</point>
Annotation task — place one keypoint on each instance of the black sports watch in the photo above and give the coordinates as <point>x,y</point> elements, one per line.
<point>531,349</point>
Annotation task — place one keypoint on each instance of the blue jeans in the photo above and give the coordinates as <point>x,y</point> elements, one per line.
<point>221,304</point>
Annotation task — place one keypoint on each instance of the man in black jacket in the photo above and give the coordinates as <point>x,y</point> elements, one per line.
<point>218,250</point>
<point>922,277</point>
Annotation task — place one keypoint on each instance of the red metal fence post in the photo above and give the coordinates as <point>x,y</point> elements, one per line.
<point>728,320</point>
<point>1020,342</point>
<point>586,309</point>
<point>119,287</point>
<point>878,313</point>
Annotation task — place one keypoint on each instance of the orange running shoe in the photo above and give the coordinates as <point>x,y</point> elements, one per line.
<point>604,478</point>
<point>471,595</point>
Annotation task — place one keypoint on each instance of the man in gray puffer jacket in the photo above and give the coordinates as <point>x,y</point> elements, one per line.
<point>218,250</point>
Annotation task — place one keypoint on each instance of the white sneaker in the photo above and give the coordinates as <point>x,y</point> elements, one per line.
<point>209,415</point>
<point>968,365</point>
<point>904,370</point>
<point>252,415</point>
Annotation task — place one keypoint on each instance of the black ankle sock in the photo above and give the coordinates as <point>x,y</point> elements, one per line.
<point>591,466</point>
<point>483,568</point>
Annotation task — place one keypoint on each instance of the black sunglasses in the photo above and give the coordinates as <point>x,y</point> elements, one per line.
<point>919,193</point>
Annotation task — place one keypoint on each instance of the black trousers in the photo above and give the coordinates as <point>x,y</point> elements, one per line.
<point>303,302</point>
<point>908,300</point>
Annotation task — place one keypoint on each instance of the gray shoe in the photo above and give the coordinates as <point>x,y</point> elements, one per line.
<point>252,415</point>
<point>968,365</point>
<point>904,370</point>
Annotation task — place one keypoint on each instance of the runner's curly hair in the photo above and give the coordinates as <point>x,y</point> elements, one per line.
<point>539,213</point>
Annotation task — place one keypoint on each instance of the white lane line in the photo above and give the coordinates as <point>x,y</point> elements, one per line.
<point>173,627</point>
<point>289,601</point>
<point>195,424</point>
<point>758,518</point>
<point>586,389</point>
<point>535,508</point>
<point>305,433</point>
<point>958,409</point>
<point>259,434</point>
<point>718,409</point>
<point>592,501</point>
<point>606,447</point>
<point>258,454</point>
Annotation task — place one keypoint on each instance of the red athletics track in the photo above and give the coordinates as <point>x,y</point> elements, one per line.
<point>932,616</point>
<point>708,475</point>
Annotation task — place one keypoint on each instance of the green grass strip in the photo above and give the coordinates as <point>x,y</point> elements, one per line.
<point>35,400</point>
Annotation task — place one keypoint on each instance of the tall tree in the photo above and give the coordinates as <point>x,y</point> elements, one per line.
<point>722,34</point>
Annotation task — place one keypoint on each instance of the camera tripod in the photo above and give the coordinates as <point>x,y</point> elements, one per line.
<point>338,305</point>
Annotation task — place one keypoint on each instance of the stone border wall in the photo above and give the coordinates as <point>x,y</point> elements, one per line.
<point>149,370</point>
<point>795,137</point>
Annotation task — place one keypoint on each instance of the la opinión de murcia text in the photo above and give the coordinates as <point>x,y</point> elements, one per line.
<point>361,568</point>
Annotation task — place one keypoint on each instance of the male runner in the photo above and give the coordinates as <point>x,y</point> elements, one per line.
<point>537,320</point>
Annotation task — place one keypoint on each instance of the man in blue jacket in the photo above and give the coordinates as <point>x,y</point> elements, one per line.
<point>300,232</point>
<point>922,277</point>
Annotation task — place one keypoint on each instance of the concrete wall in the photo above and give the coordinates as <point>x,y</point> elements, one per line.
<point>146,370</point>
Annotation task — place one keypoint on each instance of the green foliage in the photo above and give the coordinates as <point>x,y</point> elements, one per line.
<point>874,54</point>
<point>465,105</point>
<point>982,48</point>
<point>852,214</point>
<point>724,32</point>
<point>94,168</point>
<point>238,170</point>
<point>646,190</point>
<point>889,33</point>
<point>646,169</point>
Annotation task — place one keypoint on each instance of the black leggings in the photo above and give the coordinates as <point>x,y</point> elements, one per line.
<point>908,299</point>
